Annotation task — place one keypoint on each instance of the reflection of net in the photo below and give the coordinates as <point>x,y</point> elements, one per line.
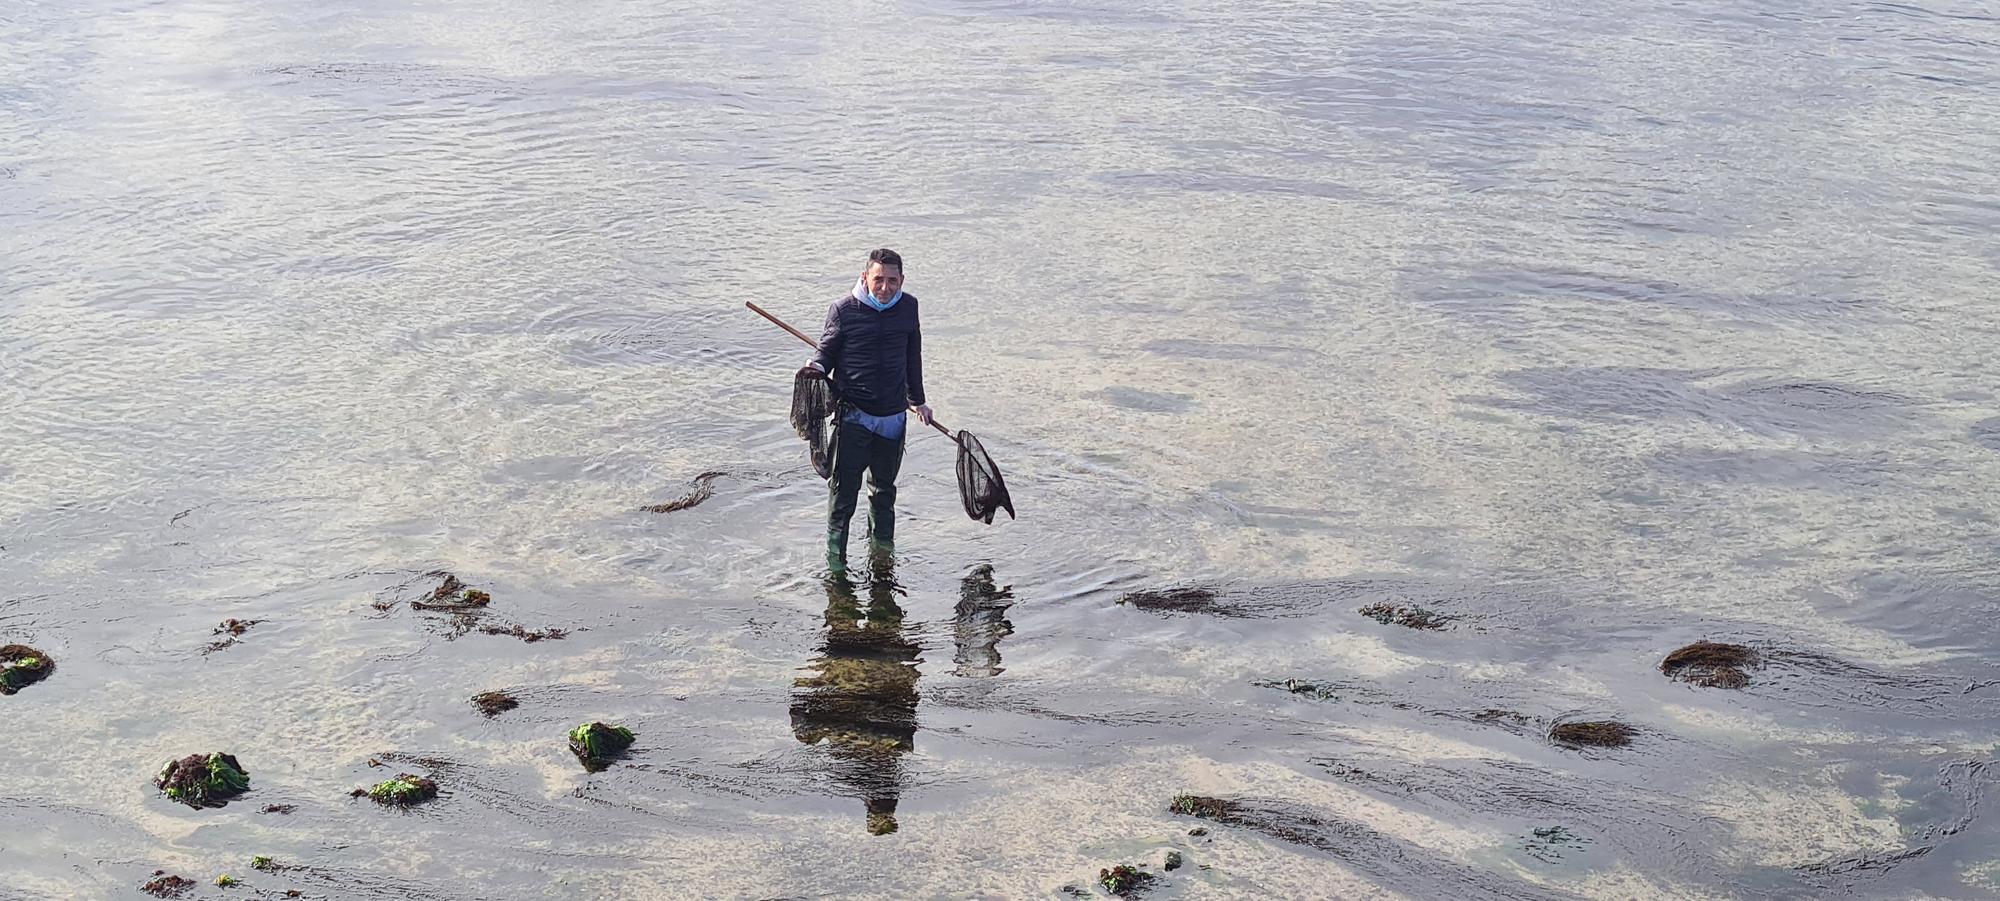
<point>979,484</point>
<point>812,415</point>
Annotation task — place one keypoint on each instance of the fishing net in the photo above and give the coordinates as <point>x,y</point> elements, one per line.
<point>979,484</point>
<point>812,418</point>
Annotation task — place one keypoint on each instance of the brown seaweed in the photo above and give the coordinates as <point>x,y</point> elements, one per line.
<point>704,488</point>
<point>167,885</point>
<point>494,703</point>
<point>1594,734</point>
<point>1711,664</point>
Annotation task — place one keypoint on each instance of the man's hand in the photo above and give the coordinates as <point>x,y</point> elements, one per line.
<point>923,413</point>
<point>810,371</point>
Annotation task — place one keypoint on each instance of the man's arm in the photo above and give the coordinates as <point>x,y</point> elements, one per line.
<point>830,341</point>
<point>914,373</point>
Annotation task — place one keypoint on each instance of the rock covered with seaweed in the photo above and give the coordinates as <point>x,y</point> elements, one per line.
<point>22,666</point>
<point>595,744</point>
<point>203,780</point>
<point>404,790</point>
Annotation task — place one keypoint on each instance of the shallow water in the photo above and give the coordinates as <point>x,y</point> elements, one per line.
<point>1603,331</point>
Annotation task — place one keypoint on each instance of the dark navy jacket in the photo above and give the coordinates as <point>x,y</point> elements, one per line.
<point>876,357</point>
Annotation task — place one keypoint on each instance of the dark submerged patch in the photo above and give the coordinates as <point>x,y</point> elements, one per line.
<point>1986,433</point>
<point>1376,855</point>
<point>1592,734</point>
<point>1548,843</point>
<point>494,703</point>
<point>1172,599</point>
<point>525,634</point>
<point>1412,616</point>
<point>704,488</point>
<point>1711,664</point>
<point>1179,600</point>
<point>22,666</point>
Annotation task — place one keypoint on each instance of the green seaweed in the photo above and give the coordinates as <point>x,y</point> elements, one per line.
<point>403,791</point>
<point>262,862</point>
<point>1198,806</point>
<point>22,666</point>
<point>225,880</point>
<point>203,780</point>
<point>595,743</point>
<point>1123,880</point>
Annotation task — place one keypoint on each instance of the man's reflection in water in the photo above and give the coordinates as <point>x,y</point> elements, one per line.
<point>858,700</point>
<point>979,623</point>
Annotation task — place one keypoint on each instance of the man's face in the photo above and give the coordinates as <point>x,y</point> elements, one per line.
<point>883,281</point>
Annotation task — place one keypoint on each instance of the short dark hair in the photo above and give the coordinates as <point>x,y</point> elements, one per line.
<point>886,257</point>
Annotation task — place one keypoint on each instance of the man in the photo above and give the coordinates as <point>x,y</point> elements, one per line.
<point>872,347</point>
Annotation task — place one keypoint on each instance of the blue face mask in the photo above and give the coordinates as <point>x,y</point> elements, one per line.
<point>861,293</point>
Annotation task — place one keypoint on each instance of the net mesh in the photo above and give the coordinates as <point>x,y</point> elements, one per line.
<point>979,484</point>
<point>812,418</point>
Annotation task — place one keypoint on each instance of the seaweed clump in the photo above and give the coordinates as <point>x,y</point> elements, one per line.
<point>453,596</point>
<point>230,630</point>
<point>1124,880</point>
<point>1174,600</point>
<point>1198,806</point>
<point>1594,734</point>
<point>1293,826</point>
<point>1413,616</point>
<point>494,703</point>
<point>167,885</point>
<point>1316,690</point>
<point>525,634</point>
<point>203,780</point>
<point>402,791</point>
<point>22,666</point>
<point>594,744</point>
<point>704,488</point>
<point>1547,843</point>
<point>1711,664</point>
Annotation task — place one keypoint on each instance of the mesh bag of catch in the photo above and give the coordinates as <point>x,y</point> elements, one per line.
<point>812,418</point>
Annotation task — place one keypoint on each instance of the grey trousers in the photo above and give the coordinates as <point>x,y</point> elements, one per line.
<point>855,451</point>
